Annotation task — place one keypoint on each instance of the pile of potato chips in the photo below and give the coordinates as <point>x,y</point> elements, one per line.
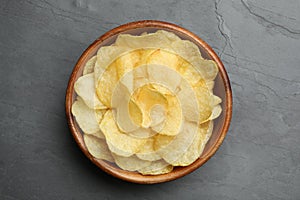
<point>146,102</point>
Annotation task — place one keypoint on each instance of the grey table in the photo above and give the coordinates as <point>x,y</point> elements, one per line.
<point>259,43</point>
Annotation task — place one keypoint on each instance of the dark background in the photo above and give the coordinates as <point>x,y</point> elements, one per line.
<point>259,43</point>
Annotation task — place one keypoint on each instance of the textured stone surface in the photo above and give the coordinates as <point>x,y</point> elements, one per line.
<point>258,41</point>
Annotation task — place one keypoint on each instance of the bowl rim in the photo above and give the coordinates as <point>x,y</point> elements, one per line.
<point>131,176</point>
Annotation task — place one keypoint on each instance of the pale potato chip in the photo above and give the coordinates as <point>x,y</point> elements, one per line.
<point>85,88</point>
<point>157,74</point>
<point>157,114</point>
<point>195,149</point>
<point>151,40</point>
<point>216,100</point>
<point>98,134</point>
<point>127,113</point>
<point>204,98</point>
<point>87,119</point>
<point>89,66</point>
<point>174,117</point>
<point>157,167</point>
<point>217,110</point>
<point>147,152</point>
<point>189,102</point>
<point>142,133</point>
<point>143,33</point>
<point>118,142</point>
<point>176,147</point>
<point>161,141</point>
<point>171,36</point>
<point>210,85</point>
<point>131,163</point>
<point>208,134</point>
<point>105,56</point>
<point>97,148</point>
<point>186,49</point>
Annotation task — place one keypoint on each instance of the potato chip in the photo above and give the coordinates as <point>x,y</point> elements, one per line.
<point>189,106</point>
<point>207,134</point>
<point>210,85</point>
<point>178,145</point>
<point>142,133</point>
<point>105,56</point>
<point>127,113</point>
<point>87,119</point>
<point>216,112</point>
<point>204,98</point>
<point>89,66</point>
<point>145,99</point>
<point>157,114</point>
<point>157,74</point>
<point>195,149</point>
<point>151,40</point>
<point>157,167</point>
<point>164,58</point>
<point>97,147</point>
<point>216,100</point>
<point>147,152</point>
<point>106,84</point>
<point>118,142</point>
<point>186,49</point>
<point>85,88</point>
<point>131,163</point>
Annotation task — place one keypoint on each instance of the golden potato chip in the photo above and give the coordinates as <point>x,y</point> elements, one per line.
<point>89,66</point>
<point>131,163</point>
<point>85,88</point>
<point>87,119</point>
<point>145,99</point>
<point>149,95</point>
<point>118,142</point>
<point>106,84</point>
<point>97,147</point>
<point>164,58</point>
<point>157,167</point>
<point>195,149</point>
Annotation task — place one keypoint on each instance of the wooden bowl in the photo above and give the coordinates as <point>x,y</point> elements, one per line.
<point>222,89</point>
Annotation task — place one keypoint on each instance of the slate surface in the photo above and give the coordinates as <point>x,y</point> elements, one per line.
<point>259,43</point>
